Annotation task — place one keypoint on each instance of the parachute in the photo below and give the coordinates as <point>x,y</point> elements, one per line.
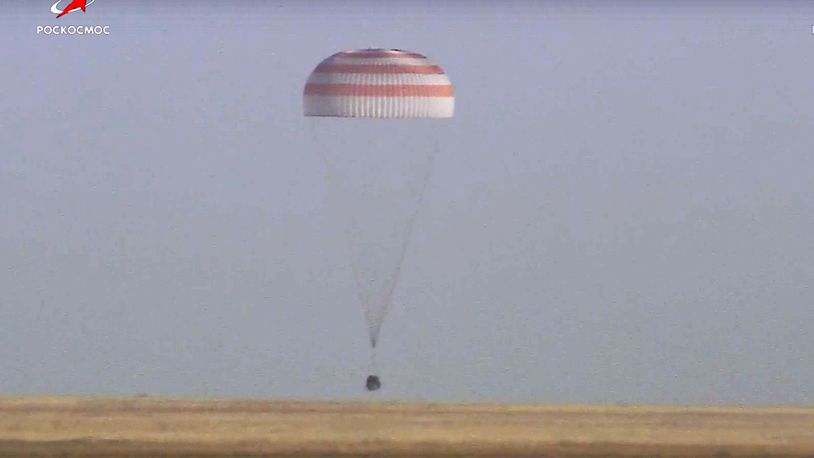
<point>378,170</point>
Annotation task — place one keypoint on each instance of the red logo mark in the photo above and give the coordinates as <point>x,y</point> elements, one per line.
<point>73,6</point>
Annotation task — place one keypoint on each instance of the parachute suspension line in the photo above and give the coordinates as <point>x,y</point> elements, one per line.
<point>374,366</point>
<point>387,299</point>
<point>334,189</point>
<point>360,288</point>
<point>334,184</point>
<point>373,382</point>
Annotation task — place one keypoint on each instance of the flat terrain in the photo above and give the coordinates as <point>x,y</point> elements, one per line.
<point>163,427</point>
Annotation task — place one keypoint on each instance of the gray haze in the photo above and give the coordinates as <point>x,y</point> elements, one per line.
<point>622,209</point>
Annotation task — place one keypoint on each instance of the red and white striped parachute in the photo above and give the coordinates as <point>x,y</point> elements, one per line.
<point>378,172</point>
<point>379,83</point>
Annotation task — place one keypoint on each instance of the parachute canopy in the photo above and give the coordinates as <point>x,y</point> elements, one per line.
<point>378,83</point>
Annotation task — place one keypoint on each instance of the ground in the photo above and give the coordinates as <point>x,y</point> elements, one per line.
<point>144,426</point>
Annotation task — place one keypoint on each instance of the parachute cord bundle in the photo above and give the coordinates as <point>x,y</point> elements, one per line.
<point>420,192</point>
<point>377,307</point>
<point>373,382</point>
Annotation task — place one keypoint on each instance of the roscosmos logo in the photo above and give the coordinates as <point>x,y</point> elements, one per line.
<point>72,6</point>
<point>63,7</point>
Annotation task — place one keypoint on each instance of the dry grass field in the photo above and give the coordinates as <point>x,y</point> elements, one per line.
<point>163,427</point>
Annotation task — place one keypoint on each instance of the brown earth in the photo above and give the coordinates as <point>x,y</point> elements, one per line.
<point>163,427</point>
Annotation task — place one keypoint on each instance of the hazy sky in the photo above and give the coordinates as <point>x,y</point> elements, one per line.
<point>622,209</point>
